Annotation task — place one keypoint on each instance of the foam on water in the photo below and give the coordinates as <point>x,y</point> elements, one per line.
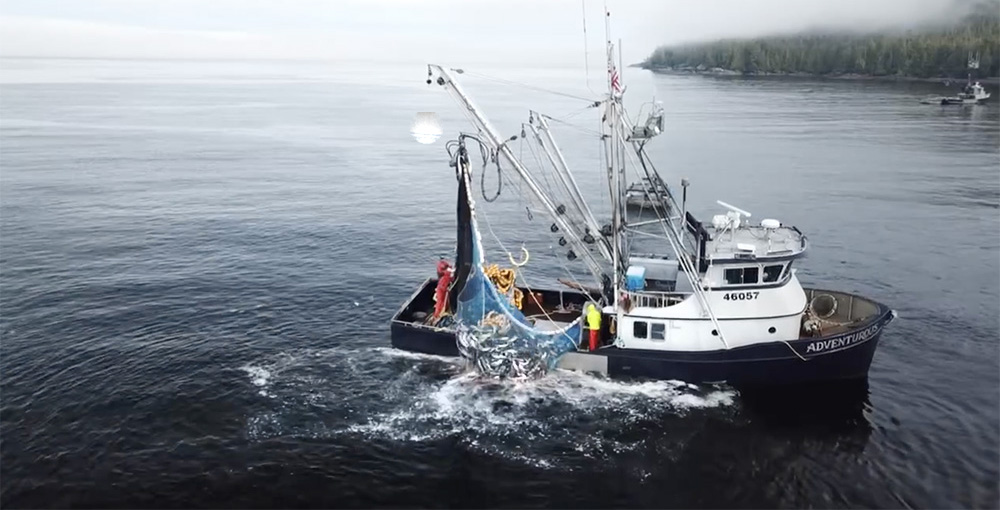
<point>393,352</point>
<point>430,398</point>
<point>258,376</point>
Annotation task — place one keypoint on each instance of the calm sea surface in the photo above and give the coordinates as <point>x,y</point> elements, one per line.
<point>198,262</point>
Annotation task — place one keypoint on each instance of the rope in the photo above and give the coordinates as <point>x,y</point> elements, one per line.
<point>676,244</point>
<point>558,193</point>
<point>835,323</point>
<point>531,87</point>
<point>794,351</point>
<point>482,184</point>
<point>487,157</point>
<point>504,280</point>
<point>565,268</point>
<point>545,176</point>
<point>517,271</point>
<point>571,125</point>
<point>535,298</point>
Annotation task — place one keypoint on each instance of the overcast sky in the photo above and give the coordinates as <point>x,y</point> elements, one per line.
<point>536,31</point>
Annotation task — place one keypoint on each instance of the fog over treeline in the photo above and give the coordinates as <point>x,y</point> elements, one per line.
<point>945,47</point>
<point>778,18</point>
<point>889,17</point>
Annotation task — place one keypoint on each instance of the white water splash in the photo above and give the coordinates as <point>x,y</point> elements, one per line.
<point>397,353</point>
<point>259,377</point>
<point>428,398</point>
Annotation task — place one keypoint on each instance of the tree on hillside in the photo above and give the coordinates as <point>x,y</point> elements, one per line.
<point>939,53</point>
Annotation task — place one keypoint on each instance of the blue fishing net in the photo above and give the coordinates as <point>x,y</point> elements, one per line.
<point>495,336</point>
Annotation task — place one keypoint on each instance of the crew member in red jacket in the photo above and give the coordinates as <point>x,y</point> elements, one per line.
<point>441,292</point>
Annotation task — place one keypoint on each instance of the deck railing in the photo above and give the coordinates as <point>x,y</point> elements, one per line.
<point>656,299</point>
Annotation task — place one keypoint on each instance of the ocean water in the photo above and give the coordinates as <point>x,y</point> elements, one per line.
<point>198,262</point>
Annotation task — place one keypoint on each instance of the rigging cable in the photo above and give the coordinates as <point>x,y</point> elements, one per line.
<point>517,269</point>
<point>530,87</point>
<point>566,269</point>
<point>564,121</point>
<point>562,196</point>
<point>676,244</point>
<point>549,187</point>
<point>482,175</point>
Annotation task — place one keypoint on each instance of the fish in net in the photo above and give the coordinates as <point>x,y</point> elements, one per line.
<point>494,335</point>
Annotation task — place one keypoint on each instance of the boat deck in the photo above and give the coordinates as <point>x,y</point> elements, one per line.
<point>841,350</point>
<point>545,307</point>
<point>849,312</point>
<point>837,312</point>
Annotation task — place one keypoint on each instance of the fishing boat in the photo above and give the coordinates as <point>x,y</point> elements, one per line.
<point>973,93</point>
<point>720,302</point>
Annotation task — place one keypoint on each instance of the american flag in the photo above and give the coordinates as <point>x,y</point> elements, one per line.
<point>616,84</point>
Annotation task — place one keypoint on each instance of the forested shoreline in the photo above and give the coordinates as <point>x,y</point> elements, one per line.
<point>940,53</point>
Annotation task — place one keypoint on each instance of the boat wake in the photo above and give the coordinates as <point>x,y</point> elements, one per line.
<point>430,398</point>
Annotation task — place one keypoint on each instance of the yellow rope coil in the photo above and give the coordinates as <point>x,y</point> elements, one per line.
<point>504,280</point>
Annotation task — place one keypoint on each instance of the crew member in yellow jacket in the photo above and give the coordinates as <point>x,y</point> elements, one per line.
<point>594,324</point>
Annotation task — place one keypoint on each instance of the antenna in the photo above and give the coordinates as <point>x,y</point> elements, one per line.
<point>586,53</point>
<point>621,66</point>
<point>733,208</point>
<point>608,48</point>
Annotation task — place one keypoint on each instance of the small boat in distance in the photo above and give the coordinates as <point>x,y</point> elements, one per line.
<point>973,93</point>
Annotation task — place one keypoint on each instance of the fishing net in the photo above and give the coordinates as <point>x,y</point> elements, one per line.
<point>494,335</point>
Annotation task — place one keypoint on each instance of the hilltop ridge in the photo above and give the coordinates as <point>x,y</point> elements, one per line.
<point>932,52</point>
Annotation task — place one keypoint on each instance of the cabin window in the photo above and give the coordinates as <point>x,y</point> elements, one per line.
<point>640,329</point>
<point>734,276</point>
<point>773,273</point>
<point>742,275</point>
<point>658,331</point>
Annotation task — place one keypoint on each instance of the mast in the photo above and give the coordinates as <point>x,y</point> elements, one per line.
<point>499,144</point>
<point>614,156</point>
<point>616,216</point>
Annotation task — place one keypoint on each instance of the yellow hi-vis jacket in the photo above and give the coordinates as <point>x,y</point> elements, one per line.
<point>593,317</point>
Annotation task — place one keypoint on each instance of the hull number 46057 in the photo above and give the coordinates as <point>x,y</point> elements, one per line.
<point>740,296</point>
